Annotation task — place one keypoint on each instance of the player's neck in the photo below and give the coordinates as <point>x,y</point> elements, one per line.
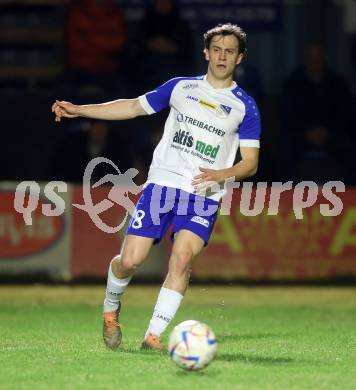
<point>217,83</point>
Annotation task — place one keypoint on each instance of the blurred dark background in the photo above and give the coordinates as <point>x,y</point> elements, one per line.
<point>300,67</point>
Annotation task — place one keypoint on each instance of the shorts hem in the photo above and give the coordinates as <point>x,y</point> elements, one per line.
<point>206,242</point>
<point>157,240</point>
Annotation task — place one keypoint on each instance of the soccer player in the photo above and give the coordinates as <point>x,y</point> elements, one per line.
<point>210,117</point>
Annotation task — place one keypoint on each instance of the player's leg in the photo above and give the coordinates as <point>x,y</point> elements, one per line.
<point>186,246</point>
<point>141,234</point>
<point>121,269</point>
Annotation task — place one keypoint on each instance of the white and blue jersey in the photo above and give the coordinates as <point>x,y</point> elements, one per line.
<point>204,128</point>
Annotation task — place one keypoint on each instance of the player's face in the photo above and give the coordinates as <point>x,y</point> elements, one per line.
<point>223,56</point>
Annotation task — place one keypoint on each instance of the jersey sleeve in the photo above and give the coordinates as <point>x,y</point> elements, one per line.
<point>158,99</point>
<point>250,127</point>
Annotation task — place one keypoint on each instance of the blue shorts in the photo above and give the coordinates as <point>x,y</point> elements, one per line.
<point>160,207</point>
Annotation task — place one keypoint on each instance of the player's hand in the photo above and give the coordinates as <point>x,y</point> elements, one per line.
<point>64,109</point>
<point>208,178</point>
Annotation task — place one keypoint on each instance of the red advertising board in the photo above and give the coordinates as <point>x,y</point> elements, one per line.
<point>92,249</point>
<point>260,247</point>
<point>39,247</point>
<point>282,247</point>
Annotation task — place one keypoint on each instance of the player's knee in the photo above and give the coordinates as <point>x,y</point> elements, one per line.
<point>180,262</point>
<point>130,261</point>
<point>129,264</point>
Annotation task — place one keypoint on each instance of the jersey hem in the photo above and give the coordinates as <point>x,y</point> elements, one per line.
<point>166,183</point>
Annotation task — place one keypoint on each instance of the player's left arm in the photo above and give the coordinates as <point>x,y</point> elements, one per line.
<point>245,168</point>
<point>249,134</point>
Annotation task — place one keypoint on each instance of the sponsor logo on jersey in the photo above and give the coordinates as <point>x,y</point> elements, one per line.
<point>207,104</point>
<point>202,149</point>
<point>221,110</point>
<point>200,220</point>
<point>206,149</point>
<point>204,126</point>
<point>190,86</point>
<point>190,97</point>
<point>182,137</point>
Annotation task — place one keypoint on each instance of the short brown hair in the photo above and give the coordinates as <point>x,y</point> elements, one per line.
<point>226,29</point>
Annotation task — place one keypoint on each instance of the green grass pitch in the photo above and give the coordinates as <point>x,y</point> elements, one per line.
<point>268,338</point>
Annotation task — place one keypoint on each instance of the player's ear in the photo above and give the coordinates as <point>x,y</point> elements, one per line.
<point>239,58</point>
<point>206,54</point>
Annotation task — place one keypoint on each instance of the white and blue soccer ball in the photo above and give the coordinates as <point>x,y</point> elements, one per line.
<point>192,345</point>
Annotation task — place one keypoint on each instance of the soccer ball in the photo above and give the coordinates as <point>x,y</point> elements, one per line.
<point>192,345</point>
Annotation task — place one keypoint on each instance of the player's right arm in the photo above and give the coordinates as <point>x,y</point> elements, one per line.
<point>116,110</point>
<point>121,109</point>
